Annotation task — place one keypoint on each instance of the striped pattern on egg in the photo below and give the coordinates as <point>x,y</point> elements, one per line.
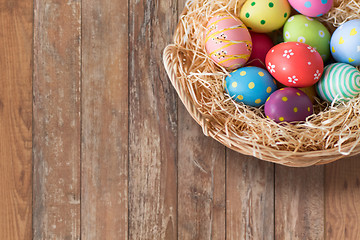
<point>228,41</point>
<point>339,81</point>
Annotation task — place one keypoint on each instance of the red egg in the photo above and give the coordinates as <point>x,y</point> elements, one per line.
<point>262,43</point>
<point>295,64</point>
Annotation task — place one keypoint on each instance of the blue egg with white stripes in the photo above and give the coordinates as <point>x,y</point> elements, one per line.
<point>250,85</point>
<point>339,82</point>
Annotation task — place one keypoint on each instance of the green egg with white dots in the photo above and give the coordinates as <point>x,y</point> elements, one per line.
<point>264,16</point>
<point>250,85</point>
<point>300,28</point>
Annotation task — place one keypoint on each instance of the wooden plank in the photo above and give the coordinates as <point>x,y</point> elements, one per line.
<point>201,182</point>
<point>249,197</point>
<point>201,179</point>
<point>342,199</point>
<point>299,203</point>
<point>153,123</point>
<point>56,116</point>
<point>104,204</point>
<point>16,24</point>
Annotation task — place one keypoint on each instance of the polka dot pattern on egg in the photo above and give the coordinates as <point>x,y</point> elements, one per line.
<point>312,8</point>
<point>288,105</point>
<point>310,31</point>
<point>262,16</point>
<point>307,4</point>
<point>250,85</point>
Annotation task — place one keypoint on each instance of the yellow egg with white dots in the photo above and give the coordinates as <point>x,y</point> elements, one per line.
<point>250,85</point>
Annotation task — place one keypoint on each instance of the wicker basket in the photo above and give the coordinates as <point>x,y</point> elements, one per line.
<point>217,127</point>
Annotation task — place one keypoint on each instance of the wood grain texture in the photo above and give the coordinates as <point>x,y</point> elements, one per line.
<point>201,179</point>
<point>201,182</point>
<point>56,116</point>
<point>16,24</point>
<point>249,197</point>
<point>342,199</point>
<point>299,203</point>
<point>104,162</point>
<point>152,123</point>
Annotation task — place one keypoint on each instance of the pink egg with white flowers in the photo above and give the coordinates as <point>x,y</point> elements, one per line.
<point>312,8</point>
<point>228,41</point>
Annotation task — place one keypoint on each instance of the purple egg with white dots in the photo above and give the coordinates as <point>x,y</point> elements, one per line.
<point>288,105</point>
<point>312,8</point>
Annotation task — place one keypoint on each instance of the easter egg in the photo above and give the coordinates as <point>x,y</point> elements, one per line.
<point>265,16</point>
<point>228,41</point>
<point>250,85</point>
<point>303,29</point>
<point>295,64</point>
<point>339,81</point>
<point>310,92</point>
<point>288,105</point>
<point>261,43</point>
<point>312,8</point>
<point>345,43</point>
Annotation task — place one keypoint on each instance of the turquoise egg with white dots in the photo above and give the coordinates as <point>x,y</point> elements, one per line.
<point>250,85</point>
<point>345,43</point>
<point>300,28</point>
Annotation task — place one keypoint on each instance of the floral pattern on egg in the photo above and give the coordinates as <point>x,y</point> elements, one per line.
<point>294,64</point>
<point>310,31</point>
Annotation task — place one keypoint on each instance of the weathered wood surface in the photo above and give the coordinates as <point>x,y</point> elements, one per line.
<point>201,179</point>
<point>152,123</point>
<point>57,126</point>
<point>342,199</point>
<point>249,197</point>
<point>201,183</point>
<point>16,24</point>
<point>116,155</point>
<point>299,203</point>
<point>104,158</point>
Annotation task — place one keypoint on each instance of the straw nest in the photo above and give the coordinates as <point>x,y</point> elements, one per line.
<point>331,133</point>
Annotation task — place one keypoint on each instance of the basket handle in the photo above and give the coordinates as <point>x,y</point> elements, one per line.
<point>170,63</point>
